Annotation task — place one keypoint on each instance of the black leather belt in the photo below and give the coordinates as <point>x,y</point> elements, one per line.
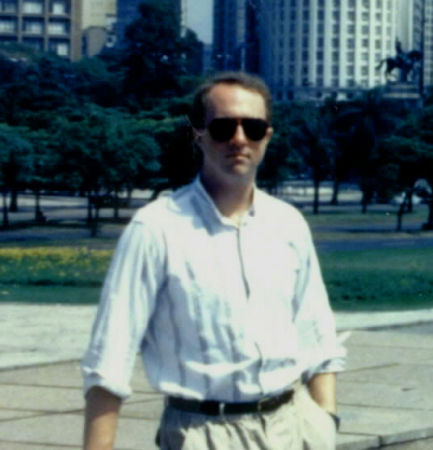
<point>214,408</point>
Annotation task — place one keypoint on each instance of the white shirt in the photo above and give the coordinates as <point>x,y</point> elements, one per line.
<point>218,311</point>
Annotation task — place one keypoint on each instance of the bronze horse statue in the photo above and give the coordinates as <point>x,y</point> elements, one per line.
<point>406,62</point>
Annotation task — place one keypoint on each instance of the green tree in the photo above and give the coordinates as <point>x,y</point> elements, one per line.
<point>426,160</point>
<point>15,161</point>
<point>362,125</point>
<point>312,139</point>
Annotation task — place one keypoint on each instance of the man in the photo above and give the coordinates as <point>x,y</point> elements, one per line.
<point>219,287</point>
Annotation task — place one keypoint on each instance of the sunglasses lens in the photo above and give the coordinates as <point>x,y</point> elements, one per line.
<point>222,130</point>
<point>255,129</point>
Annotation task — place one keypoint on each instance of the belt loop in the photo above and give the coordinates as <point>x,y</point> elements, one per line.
<point>221,407</point>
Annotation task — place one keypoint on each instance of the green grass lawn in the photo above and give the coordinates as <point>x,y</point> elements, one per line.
<point>71,270</point>
<point>379,280</point>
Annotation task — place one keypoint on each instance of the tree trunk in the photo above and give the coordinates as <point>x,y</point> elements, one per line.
<point>13,207</point>
<point>95,222</point>
<point>89,209</point>
<point>5,209</point>
<point>403,208</point>
<point>116,205</point>
<point>335,191</point>
<point>429,224</point>
<point>316,196</point>
<point>39,217</point>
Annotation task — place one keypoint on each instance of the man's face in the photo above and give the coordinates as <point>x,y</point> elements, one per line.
<point>238,156</point>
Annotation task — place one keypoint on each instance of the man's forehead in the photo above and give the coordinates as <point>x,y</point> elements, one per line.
<point>228,95</point>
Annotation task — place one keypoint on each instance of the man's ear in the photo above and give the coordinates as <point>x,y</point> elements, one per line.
<point>269,133</point>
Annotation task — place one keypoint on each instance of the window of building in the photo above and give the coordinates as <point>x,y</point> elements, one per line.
<point>319,55</point>
<point>59,7</point>
<point>322,3</point>
<point>33,6</point>
<point>364,83</point>
<point>351,15</point>
<point>351,29</point>
<point>320,42</point>
<point>378,4</point>
<point>37,44</point>
<point>33,26</point>
<point>60,47</point>
<point>336,28</point>
<point>320,82</point>
<point>365,56</point>
<point>58,27</point>
<point>320,14</point>
<point>379,17</point>
<point>335,70</point>
<point>8,25</point>
<point>378,29</point>
<point>364,70</point>
<point>365,29</point>
<point>351,43</point>
<point>365,43</point>
<point>292,27</point>
<point>351,57</point>
<point>366,4</point>
<point>350,70</point>
<point>304,70</point>
<point>377,57</point>
<point>378,44</point>
<point>306,15</point>
<point>335,82</point>
<point>351,3</point>
<point>305,42</point>
<point>336,15</point>
<point>351,82</point>
<point>8,6</point>
<point>293,3</point>
<point>305,56</point>
<point>335,56</point>
<point>365,16</point>
<point>336,3</point>
<point>293,15</point>
<point>320,28</point>
<point>320,69</point>
<point>306,28</point>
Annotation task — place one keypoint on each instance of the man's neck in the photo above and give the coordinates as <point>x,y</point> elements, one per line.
<point>232,198</point>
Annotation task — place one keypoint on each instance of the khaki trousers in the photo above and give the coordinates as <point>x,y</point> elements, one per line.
<point>298,425</point>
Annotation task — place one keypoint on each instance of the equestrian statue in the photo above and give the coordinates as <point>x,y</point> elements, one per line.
<point>406,62</point>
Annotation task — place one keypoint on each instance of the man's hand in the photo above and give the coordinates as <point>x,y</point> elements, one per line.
<point>323,389</point>
<point>102,409</point>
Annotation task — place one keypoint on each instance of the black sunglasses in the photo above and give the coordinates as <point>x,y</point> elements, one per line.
<point>223,129</point>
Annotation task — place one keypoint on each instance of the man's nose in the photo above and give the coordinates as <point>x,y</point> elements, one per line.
<point>239,137</point>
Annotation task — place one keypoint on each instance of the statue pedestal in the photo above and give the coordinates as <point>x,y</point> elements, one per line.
<point>406,93</point>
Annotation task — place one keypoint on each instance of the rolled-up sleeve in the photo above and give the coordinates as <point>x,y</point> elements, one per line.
<point>127,303</point>
<point>320,348</point>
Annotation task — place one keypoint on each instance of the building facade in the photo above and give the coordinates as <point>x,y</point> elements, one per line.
<point>98,25</point>
<point>48,25</point>
<point>313,48</point>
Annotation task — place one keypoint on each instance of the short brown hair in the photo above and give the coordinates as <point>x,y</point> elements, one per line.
<point>242,79</point>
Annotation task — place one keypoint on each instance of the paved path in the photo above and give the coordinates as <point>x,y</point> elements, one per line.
<point>384,397</point>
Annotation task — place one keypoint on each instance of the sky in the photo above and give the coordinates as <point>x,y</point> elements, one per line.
<point>199,18</point>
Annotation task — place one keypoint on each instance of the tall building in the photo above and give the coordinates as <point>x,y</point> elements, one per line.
<point>235,38</point>
<point>310,48</point>
<point>415,31</point>
<point>127,12</point>
<point>53,26</point>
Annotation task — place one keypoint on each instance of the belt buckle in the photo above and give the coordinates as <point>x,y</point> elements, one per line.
<point>260,404</point>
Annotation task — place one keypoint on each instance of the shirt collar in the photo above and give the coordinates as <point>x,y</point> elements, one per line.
<point>211,207</point>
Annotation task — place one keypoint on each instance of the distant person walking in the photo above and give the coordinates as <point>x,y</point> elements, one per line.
<point>218,286</point>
